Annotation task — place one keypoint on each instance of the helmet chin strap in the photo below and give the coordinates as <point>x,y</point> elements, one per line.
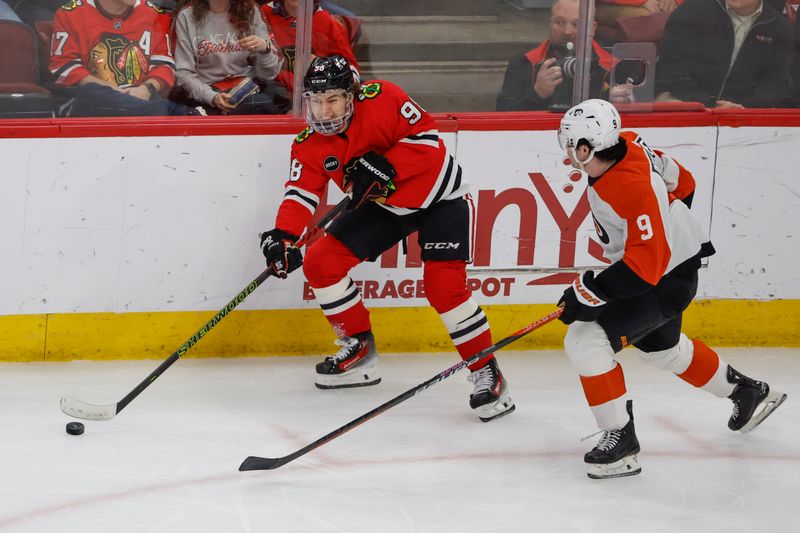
<point>581,164</point>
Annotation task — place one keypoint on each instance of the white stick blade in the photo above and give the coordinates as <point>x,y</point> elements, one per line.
<point>87,411</point>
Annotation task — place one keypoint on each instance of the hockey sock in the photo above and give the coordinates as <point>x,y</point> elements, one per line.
<point>342,306</point>
<point>326,266</point>
<point>605,394</point>
<point>446,290</point>
<point>707,371</point>
<point>469,330</point>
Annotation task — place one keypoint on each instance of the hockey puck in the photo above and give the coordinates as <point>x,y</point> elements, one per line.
<point>75,428</point>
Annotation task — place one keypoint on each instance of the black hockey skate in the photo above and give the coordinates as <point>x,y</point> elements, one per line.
<point>490,397</point>
<point>753,401</point>
<point>354,365</point>
<point>615,453</point>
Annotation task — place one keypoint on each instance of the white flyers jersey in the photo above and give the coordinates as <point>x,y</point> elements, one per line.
<point>637,219</point>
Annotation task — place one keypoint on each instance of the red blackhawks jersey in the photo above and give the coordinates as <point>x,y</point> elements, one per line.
<point>123,50</point>
<point>385,120</point>
<point>638,213</point>
<point>328,37</point>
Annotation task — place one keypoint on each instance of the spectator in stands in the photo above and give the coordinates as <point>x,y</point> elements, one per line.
<point>543,78</point>
<point>328,36</point>
<point>31,11</point>
<point>117,54</point>
<point>794,101</point>
<point>222,43</point>
<point>6,13</point>
<point>725,55</point>
<point>608,13</point>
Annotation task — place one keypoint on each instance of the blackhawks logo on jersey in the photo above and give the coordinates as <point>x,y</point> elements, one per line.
<point>156,8</point>
<point>369,90</point>
<point>303,135</point>
<point>72,4</point>
<point>118,61</point>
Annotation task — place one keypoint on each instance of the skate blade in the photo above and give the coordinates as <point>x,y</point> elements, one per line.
<point>773,400</point>
<point>363,376</point>
<point>501,407</point>
<point>627,466</point>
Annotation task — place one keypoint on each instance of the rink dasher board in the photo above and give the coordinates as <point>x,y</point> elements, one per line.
<point>165,227</point>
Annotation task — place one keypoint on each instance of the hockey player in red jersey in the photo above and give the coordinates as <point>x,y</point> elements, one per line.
<point>640,200</point>
<point>382,148</point>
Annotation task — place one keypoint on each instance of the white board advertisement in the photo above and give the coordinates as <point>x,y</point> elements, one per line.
<point>172,223</point>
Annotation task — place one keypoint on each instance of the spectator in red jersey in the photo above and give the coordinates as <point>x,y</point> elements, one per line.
<point>222,44</point>
<point>544,76</point>
<point>373,141</point>
<point>118,55</point>
<point>328,38</point>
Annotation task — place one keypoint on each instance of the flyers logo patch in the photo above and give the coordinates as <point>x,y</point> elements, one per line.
<point>601,231</point>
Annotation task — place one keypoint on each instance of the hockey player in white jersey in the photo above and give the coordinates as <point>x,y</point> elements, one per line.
<point>640,200</point>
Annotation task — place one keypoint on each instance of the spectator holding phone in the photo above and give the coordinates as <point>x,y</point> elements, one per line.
<point>224,47</point>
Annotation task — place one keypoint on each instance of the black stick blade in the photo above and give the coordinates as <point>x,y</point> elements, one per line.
<point>260,463</point>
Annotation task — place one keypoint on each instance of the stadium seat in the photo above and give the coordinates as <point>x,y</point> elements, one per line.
<point>21,93</point>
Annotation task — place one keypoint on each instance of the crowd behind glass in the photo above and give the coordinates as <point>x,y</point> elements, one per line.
<point>220,57</point>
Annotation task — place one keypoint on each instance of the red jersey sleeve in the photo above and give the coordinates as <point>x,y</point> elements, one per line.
<point>416,148</point>
<point>303,189</point>
<point>162,59</point>
<point>66,63</point>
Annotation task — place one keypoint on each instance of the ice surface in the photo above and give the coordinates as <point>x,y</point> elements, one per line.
<point>168,462</point>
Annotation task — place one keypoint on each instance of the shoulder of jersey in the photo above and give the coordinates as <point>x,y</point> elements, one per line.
<point>632,174</point>
<point>372,89</point>
<point>304,135</point>
<point>72,5</point>
<point>156,8</point>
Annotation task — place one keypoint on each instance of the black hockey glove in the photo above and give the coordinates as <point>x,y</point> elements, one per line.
<point>282,255</point>
<point>583,300</point>
<point>369,177</point>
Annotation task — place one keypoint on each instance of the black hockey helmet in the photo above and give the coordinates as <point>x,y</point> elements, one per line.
<point>329,74</point>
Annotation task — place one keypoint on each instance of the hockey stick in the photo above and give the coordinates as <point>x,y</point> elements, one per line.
<point>266,463</point>
<point>87,411</point>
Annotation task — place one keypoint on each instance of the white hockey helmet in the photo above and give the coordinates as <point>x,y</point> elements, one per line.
<point>595,120</point>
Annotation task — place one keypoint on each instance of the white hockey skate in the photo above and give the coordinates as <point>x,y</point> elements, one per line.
<point>490,397</point>
<point>615,454</point>
<point>354,365</point>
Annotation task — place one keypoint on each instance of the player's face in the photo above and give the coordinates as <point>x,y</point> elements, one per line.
<point>328,105</point>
